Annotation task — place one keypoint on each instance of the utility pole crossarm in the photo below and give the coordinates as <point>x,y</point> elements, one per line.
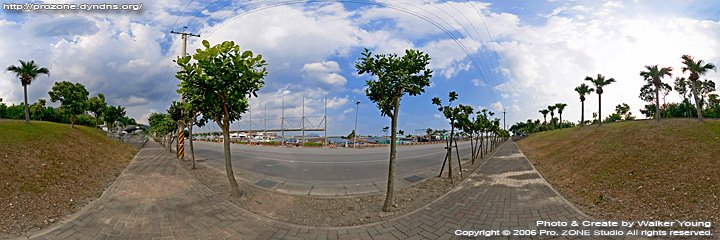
<point>185,33</point>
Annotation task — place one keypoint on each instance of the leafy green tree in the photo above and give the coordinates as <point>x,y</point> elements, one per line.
<point>704,88</point>
<point>14,111</point>
<point>224,78</point>
<point>583,90</point>
<point>600,82</point>
<point>3,108</point>
<point>73,98</point>
<point>96,105</point>
<point>457,116</point>
<point>127,121</point>
<point>654,75</point>
<point>396,76</point>
<point>27,72</point>
<point>53,115</point>
<point>190,72</point>
<point>623,110</point>
<point>544,112</point>
<point>112,114</point>
<point>351,135</point>
<point>160,125</point>
<point>37,110</point>
<point>649,110</point>
<point>177,114</point>
<point>696,69</point>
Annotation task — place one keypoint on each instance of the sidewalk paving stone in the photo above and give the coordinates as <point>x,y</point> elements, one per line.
<point>155,198</point>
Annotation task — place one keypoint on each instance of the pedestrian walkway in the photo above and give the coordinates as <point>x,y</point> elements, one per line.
<point>155,198</point>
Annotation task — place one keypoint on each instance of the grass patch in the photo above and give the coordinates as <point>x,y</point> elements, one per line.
<point>637,170</point>
<point>49,169</point>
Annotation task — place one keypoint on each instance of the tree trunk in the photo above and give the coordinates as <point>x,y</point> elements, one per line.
<point>697,100</point>
<point>478,145</point>
<point>72,121</point>
<point>228,161</point>
<point>472,148</point>
<point>487,145</point>
<point>27,110</point>
<point>391,169</point>
<point>449,150</point>
<point>482,144</point>
<point>582,113</point>
<point>657,101</point>
<point>192,152</point>
<point>234,188</point>
<point>600,109</point>
<point>560,121</point>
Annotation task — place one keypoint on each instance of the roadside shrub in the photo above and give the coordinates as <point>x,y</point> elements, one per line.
<point>313,144</point>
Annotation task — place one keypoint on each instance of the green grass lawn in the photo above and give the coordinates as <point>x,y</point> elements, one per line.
<point>637,170</point>
<point>45,164</point>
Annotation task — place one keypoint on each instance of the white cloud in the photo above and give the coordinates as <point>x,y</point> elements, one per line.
<point>497,107</point>
<point>360,91</point>
<point>337,102</point>
<point>478,83</point>
<point>544,63</point>
<point>326,72</point>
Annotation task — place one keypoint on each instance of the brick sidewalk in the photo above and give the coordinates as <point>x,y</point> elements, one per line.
<point>155,198</point>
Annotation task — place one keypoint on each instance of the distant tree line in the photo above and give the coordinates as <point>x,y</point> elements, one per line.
<point>76,107</point>
<point>691,88</point>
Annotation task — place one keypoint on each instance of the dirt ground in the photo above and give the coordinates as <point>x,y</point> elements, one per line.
<point>329,212</point>
<point>640,170</point>
<point>49,171</point>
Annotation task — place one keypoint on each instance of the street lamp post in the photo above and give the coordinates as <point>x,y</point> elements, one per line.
<point>357,106</point>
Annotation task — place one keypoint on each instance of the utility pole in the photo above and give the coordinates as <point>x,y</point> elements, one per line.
<point>504,125</point>
<point>282,122</point>
<point>357,106</point>
<point>181,125</point>
<point>325,121</point>
<point>265,123</point>
<point>303,121</point>
<point>250,112</point>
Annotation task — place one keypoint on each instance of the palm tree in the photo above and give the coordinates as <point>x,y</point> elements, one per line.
<point>544,113</point>
<point>27,72</point>
<point>599,83</point>
<point>551,108</point>
<point>583,90</point>
<point>696,68</point>
<point>560,107</point>
<point>655,75</point>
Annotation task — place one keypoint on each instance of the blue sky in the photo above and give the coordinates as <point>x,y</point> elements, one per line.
<point>540,51</point>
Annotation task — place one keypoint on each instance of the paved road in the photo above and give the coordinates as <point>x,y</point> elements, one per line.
<point>326,171</point>
<point>155,198</point>
<point>318,164</point>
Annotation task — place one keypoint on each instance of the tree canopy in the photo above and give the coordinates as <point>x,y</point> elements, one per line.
<point>73,98</point>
